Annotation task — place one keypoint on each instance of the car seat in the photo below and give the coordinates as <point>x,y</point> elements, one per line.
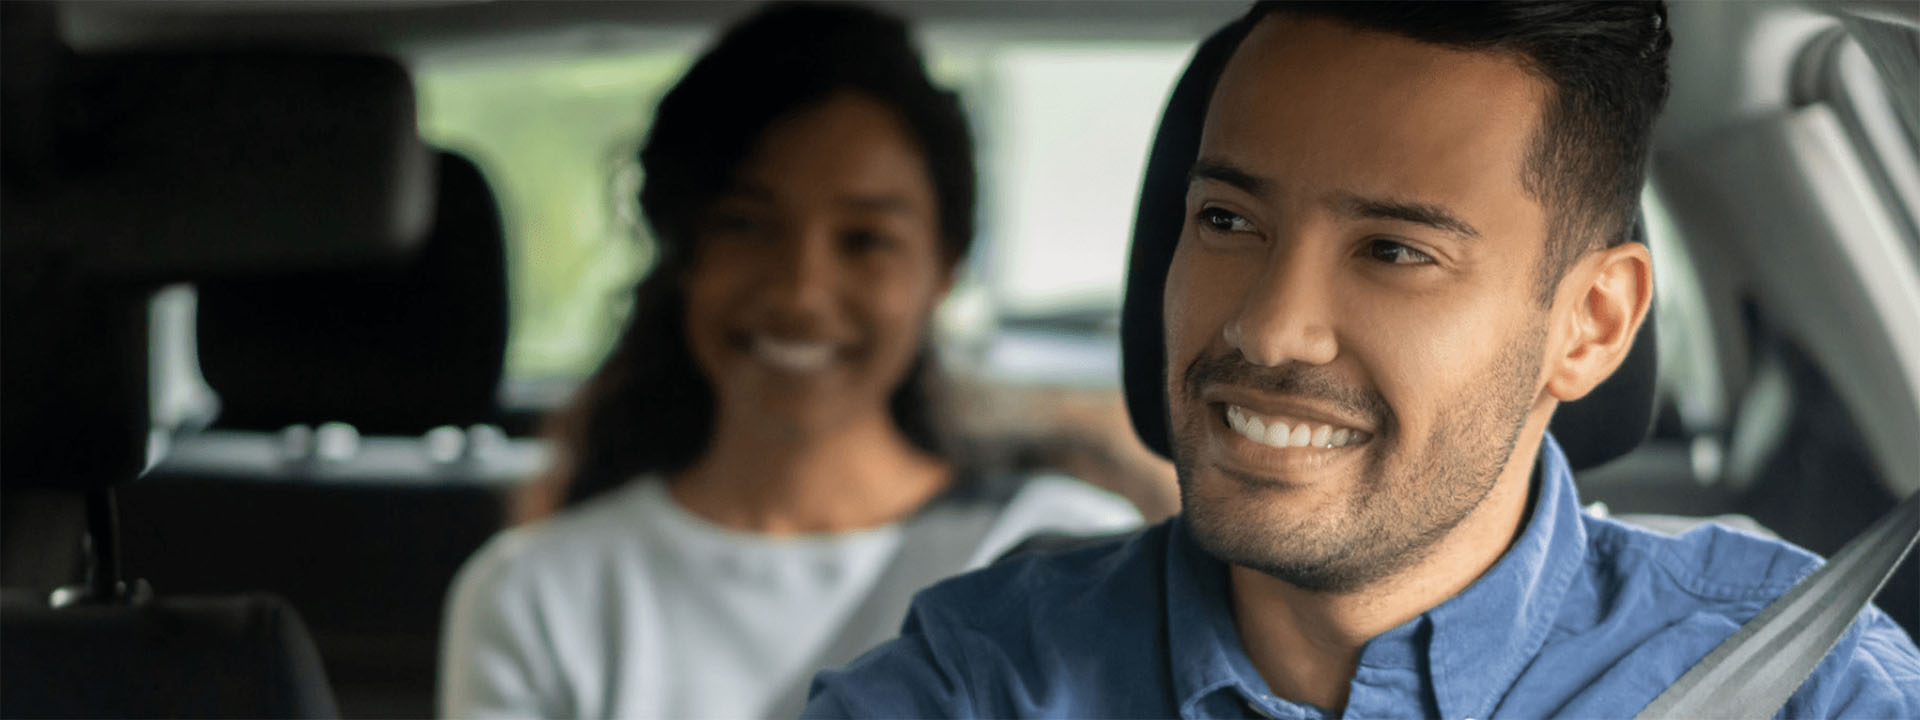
<point>353,446</point>
<point>102,207</point>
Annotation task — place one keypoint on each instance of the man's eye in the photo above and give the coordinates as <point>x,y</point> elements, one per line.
<point>1220,220</point>
<point>1393,253</point>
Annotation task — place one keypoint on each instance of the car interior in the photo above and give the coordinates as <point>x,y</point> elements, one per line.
<point>289,286</point>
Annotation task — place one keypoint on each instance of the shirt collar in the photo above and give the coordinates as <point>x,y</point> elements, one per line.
<point>1471,664</point>
<point>1202,638</point>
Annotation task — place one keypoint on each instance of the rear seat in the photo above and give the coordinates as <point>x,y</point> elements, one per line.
<point>353,450</point>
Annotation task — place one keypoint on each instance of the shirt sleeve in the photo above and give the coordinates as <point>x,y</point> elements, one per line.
<point>916,675</point>
<point>1873,672</point>
<point>494,659</point>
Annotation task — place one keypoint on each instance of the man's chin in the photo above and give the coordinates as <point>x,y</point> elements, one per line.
<point>1313,543</point>
<point>1288,559</point>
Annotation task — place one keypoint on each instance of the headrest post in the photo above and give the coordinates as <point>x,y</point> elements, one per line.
<point>103,545</point>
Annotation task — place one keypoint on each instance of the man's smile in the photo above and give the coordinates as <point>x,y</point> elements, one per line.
<point>1271,459</point>
<point>1282,431</point>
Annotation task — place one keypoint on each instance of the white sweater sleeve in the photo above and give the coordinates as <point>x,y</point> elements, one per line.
<point>496,660</point>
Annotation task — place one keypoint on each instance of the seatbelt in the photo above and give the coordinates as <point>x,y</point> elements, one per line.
<point>935,543</point>
<point>1752,673</point>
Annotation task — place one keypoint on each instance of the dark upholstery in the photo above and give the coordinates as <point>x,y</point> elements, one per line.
<point>170,165</point>
<point>150,168</point>
<point>393,351</point>
<point>367,563</point>
<point>233,657</point>
<point>1606,424</point>
<point>389,350</point>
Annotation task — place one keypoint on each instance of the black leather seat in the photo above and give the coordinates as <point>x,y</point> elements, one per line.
<point>237,656</point>
<point>364,543</point>
<point>102,206</point>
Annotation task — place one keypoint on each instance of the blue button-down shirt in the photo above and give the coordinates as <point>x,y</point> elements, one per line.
<point>1583,617</point>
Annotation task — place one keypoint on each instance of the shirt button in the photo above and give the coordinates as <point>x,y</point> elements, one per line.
<point>1257,710</point>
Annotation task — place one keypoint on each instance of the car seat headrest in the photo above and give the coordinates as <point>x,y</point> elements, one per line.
<point>175,165</point>
<point>1607,423</point>
<point>389,349</point>
<point>126,169</point>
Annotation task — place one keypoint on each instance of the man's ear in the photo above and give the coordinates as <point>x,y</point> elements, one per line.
<point>1600,306</point>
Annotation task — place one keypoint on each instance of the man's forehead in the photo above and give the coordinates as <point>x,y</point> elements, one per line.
<point>1311,100</point>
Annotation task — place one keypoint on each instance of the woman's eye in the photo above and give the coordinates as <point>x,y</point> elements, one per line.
<point>729,224</point>
<point>1219,220</point>
<point>1393,253</point>
<point>867,241</point>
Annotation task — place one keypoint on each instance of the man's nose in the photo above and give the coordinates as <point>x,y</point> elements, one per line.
<point>1287,315</point>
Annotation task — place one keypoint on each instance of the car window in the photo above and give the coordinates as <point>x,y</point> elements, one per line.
<point>1061,128</point>
<point>552,132</point>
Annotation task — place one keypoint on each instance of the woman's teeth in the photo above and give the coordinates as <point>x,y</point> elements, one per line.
<point>794,356</point>
<point>1275,433</point>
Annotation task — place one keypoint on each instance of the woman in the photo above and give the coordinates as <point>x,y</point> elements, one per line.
<point>754,482</point>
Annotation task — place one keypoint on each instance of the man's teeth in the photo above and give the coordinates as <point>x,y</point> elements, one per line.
<point>795,356</point>
<point>1275,433</point>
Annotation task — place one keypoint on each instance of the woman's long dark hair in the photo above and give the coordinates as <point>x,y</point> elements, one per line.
<point>648,408</point>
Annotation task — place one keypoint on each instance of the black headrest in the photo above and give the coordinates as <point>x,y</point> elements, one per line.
<point>1606,424</point>
<point>175,165</point>
<point>123,169</point>
<point>391,349</point>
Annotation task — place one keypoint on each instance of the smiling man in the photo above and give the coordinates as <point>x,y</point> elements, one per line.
<point>1406,245</point>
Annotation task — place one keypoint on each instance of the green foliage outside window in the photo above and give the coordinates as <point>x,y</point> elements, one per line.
<point>556,137</point>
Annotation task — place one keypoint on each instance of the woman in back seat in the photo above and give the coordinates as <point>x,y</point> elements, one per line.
<point>753,484</point>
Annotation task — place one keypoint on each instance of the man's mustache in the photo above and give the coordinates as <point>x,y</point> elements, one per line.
<point>1293,379</point>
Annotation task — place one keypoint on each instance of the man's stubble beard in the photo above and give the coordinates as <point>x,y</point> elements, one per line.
<point>1397,511</point>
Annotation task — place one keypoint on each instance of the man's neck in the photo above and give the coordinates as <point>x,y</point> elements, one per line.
<point>862,474</point>
<point>1307,644</point>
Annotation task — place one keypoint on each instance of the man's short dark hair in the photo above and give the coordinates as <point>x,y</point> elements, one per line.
<point>1607,62</point>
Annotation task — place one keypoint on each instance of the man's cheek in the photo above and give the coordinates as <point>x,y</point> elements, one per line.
<point>1199,298</point>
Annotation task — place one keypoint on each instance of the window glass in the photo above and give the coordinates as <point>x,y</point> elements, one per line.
<point>1062,132</point>
<point>1070,128</point>
<point>553,135</point>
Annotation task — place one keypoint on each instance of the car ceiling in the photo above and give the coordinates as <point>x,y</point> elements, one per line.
<point>414,30</point>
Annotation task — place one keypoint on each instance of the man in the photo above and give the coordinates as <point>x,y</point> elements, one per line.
<point>1406,246</point>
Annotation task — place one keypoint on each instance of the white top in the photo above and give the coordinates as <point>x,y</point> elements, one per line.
<point>630,606</point>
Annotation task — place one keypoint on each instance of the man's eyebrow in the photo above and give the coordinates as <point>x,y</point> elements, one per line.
<point>1418,213</point>
<point>1223,171</point>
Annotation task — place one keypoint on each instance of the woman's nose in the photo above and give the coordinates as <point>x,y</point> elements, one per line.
<point>803,274</point>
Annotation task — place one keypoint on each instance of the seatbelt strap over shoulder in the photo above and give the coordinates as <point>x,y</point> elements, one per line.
<point>935,543</point>
<point>1754,672</point>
